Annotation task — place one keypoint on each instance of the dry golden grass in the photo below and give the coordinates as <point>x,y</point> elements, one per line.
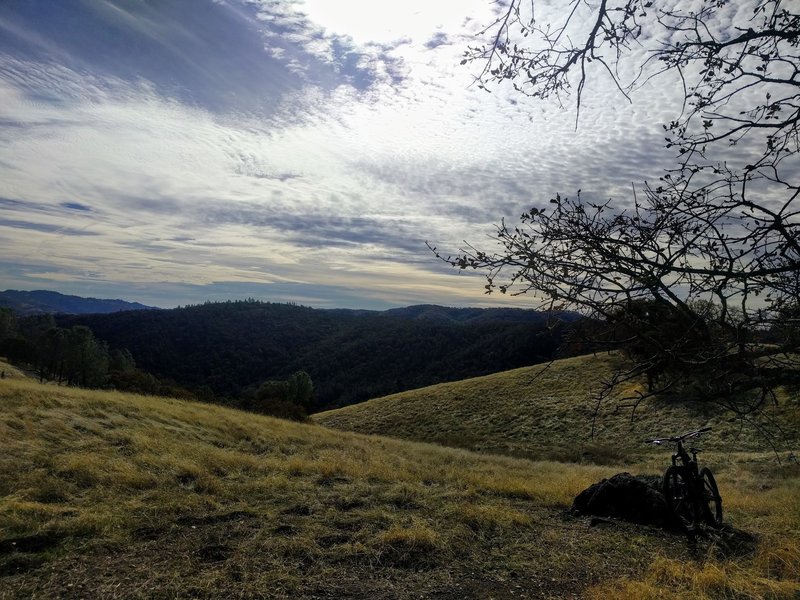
<point>110,495</point>
<point>135,496</point>
<point>10,370</point>
<point>709,580</point>
<point>546,412</point>
<point>762,500</point>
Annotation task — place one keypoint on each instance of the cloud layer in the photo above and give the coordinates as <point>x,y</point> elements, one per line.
<point>201,150</point>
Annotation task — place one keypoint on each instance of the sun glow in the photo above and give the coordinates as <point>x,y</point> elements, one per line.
<point>384,22</point>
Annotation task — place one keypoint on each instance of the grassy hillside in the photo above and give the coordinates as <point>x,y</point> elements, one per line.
<point>107,495</point>
<point>546,412</point>
<point>10,370</point>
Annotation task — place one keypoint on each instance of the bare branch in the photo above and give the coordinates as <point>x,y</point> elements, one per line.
<point>696,278</point>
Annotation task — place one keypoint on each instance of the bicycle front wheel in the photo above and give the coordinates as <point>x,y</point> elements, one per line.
<point>712,501</point>
<point>678,494</point>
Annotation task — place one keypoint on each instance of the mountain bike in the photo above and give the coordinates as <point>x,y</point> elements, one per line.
<point>691,493</point>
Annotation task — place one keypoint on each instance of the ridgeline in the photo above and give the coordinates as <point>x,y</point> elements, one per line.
<point>351,356</point>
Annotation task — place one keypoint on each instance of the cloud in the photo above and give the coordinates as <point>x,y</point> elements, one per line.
<point>437,39</point>
<point>279,148</point>
<point>44,227</point>
<point>76,206</point>
<point>232,56</point>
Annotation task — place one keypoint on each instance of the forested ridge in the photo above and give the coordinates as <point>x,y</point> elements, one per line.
<point>222,349</point>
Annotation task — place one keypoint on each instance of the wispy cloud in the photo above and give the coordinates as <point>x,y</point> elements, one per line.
<point>269,148</point>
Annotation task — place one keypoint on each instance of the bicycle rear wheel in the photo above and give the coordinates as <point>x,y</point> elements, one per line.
<point>712,501</point>
<point>679,497</point>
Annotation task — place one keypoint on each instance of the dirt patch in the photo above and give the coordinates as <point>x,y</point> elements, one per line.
<point>214,553</point>
<point>19,563</point>
<point>31,543</point>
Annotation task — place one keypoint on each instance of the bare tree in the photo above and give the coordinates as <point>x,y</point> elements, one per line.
<point>695,274</point>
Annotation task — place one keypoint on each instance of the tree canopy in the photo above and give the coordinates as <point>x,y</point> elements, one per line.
<point>694,272</point>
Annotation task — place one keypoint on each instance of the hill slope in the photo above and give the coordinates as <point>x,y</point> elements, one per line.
<point>109,495</point>
<point>545,412</point>
<point>134,496</point>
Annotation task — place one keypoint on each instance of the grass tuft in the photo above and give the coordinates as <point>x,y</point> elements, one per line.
<point>704,580</point>
<point>414,545</point>
<point>490,518</point>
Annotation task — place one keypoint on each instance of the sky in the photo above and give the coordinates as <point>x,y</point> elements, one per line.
<point>173,152</point>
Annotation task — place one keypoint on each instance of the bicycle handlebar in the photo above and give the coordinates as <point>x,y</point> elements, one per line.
<point>678,438</point>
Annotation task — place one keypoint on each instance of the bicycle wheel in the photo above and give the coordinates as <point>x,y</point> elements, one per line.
<point>679,497</point>
<point>712,501</point>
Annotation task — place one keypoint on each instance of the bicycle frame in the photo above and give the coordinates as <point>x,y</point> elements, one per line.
<point>686,461</point>
<point>691,493</point>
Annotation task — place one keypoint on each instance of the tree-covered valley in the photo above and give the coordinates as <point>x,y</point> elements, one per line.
<point>220,350</point>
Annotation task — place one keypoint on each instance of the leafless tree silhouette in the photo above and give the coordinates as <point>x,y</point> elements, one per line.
<point>697,276</point>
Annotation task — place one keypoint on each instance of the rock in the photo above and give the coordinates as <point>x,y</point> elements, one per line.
<point>637,499</point>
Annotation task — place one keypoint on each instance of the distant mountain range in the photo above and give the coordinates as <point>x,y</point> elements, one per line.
<point>42,301</point>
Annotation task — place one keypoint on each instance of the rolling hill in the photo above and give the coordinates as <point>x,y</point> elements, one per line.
<point>545,411</point>
<point>111,495</point>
